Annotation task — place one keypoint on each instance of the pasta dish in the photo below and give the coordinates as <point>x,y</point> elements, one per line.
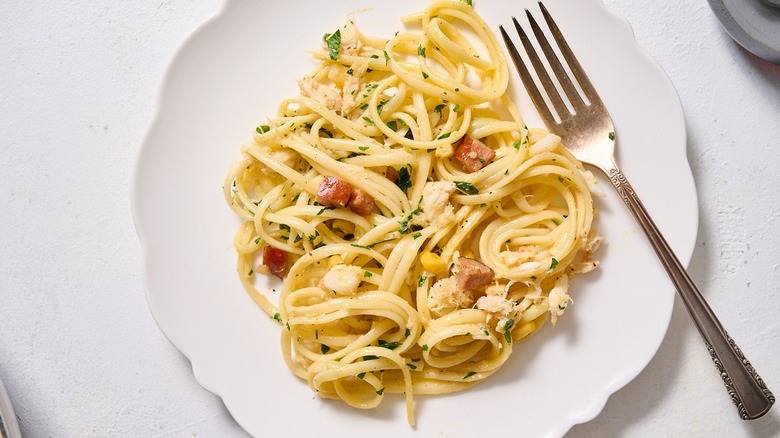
<point>420,228</point>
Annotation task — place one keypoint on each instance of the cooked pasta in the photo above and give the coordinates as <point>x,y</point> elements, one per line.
<point>419,227</point>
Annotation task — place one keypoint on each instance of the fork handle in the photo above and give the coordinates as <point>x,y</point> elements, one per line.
<point>746,388</point>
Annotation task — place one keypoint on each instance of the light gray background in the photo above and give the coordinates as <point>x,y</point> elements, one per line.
<point>79,351</point>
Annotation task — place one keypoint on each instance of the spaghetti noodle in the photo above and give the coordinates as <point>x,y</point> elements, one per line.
<point>420,228</point>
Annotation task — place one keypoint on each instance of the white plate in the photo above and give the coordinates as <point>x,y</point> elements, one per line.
<point>233,72</point>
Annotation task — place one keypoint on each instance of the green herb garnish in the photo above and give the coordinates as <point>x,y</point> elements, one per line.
<point>334,43</point>
<point>466,187</point>
<point>507,327</point>
<point>404,179</point>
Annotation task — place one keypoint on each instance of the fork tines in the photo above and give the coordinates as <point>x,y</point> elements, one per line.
<point>564,80</point>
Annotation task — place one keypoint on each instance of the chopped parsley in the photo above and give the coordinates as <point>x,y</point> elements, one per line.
<point>361,375</point>
<point>404,179</point>
<point>612,135</point>
<point>421,280</point>
<point>425,347</point>
<point>350,71</point>
<point>425,75</point>
<point>392,125</point>
<point>334,43</point>
<point>367,274</point>
<point>507,327</point>
<point>388,345</point>
<point>323,210</point>
<point>262,129</point>
<point>414,236</point>
<point>324,348</point>
<point>438,108</point>
<point>466,187</point>
<point>369,121</point>
<point>363,148</point>
<point>406,222</point>
<point>278,317</point>
<point>444,136</point>
<point>553,264</point>
<point>380,391</point>
<point>359,246</point>
<point>421,51</point>
<point>472,372</point>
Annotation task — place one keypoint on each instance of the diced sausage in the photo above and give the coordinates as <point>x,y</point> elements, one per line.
<point>392,174</point>
<point>361,202</point>
<point>473,154</point>
<point>276,260</point>
<point>333,192</point>
<point>472,275</point>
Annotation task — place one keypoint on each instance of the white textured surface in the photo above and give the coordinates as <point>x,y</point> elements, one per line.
<point>79,352</point>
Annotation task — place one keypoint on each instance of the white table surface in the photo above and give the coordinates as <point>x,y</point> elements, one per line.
<point>79,352</point>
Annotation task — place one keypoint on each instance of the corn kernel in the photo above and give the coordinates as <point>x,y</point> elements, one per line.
<point>467,253</point>
<point>445,151</point>
<point>432,262</point>
<point>335,260</point>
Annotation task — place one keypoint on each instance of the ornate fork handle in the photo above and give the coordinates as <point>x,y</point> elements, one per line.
<point>745,386</point>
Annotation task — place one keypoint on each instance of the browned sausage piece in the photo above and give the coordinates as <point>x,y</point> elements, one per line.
<point>276,260</point>
<point>333,192</point>
<point>472,275</point>
<point>392,174</point>
<point>473,154</point>
<point>361,202</point>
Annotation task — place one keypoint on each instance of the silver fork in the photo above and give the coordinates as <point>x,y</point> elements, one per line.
<point>589,134</point>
